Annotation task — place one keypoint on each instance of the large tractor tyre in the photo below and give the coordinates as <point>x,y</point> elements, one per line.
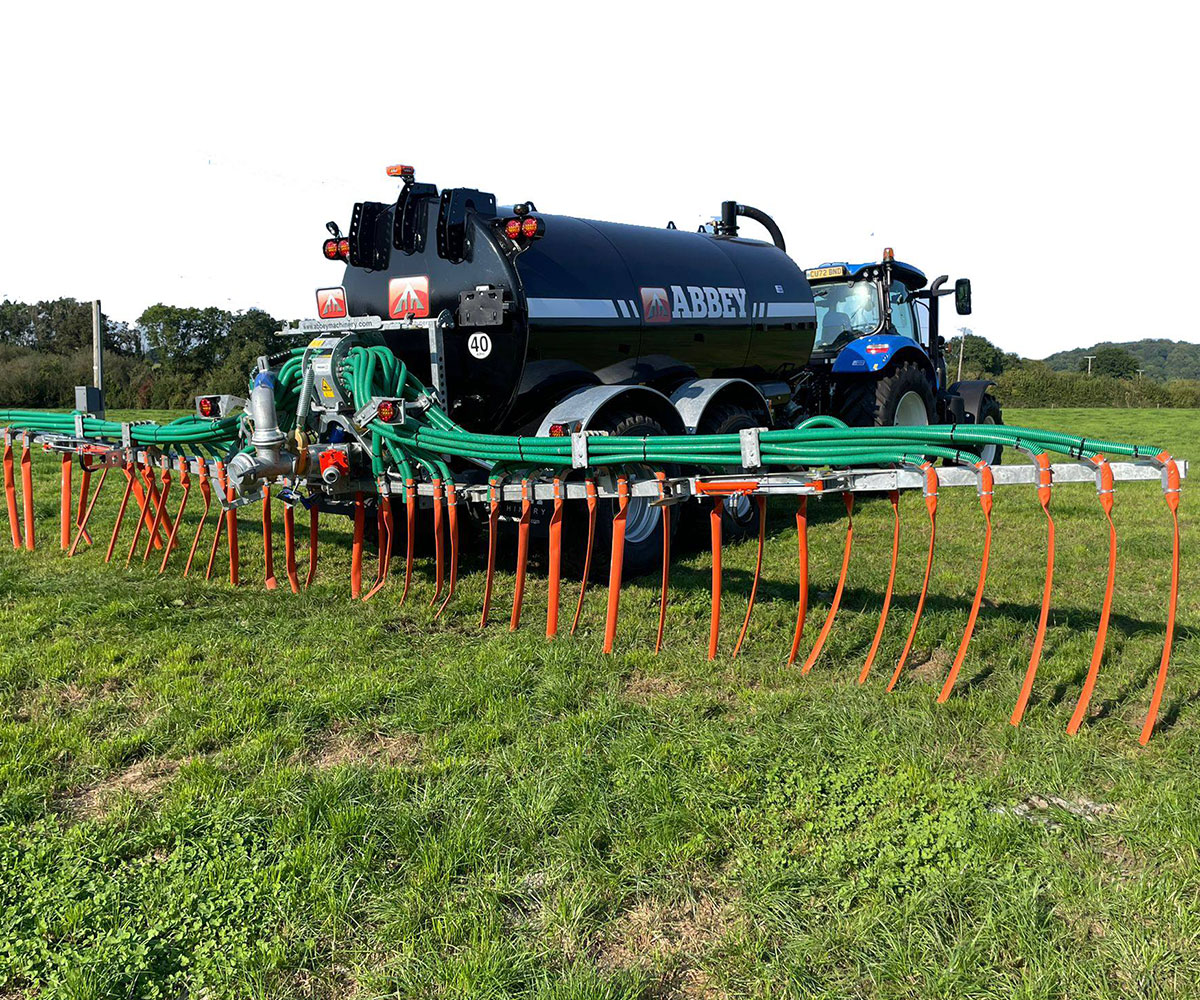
<point>643,523</point>
<point>903,397</point>
<point>991,414</point>
<point>739,515</point>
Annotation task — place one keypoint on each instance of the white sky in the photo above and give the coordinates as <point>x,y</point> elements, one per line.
<point>1046,150</point>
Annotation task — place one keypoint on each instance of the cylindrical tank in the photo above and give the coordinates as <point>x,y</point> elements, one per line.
<point>587,293</point>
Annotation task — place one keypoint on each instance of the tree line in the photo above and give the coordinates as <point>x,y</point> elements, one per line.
<point>1114,378</point>
<point>173,353</point>
<point>164,359</point>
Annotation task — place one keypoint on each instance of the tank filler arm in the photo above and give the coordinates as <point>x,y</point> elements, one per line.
<point>727,224</point>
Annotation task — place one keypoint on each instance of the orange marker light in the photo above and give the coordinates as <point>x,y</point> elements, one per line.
<point>888,255</point>
<point>401,170</point>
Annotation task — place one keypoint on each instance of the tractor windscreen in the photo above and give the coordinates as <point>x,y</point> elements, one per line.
<point>845,310</point>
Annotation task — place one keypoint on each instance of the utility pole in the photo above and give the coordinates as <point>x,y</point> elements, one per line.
<point>1090,358</point>
<point>97,347</point>
<point>962,342</point>
<point>1139,371</point>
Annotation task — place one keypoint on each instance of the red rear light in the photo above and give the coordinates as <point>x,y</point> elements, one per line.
<point>558,430</point>
<point>343,248</point>
<point>331,249</point>
<point>512,228</point>
<point>531,227</point>
<point>207,406</point>
<point>386,411</point>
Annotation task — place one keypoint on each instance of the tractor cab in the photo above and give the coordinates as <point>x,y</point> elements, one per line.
<point>868,300</point>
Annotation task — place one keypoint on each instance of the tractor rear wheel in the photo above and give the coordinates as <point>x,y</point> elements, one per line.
<point>991,414</point>
<point>901,398</point>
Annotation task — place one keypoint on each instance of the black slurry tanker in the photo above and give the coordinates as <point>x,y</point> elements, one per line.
<point>548,324</point>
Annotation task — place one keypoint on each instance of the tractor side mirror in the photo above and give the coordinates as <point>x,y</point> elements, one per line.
<point>962,296</point>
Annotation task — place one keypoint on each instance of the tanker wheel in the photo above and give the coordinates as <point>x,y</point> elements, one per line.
<point>643,523</point>
<point>991,414</point>
<point>901,398</point>
<point>739,514</point>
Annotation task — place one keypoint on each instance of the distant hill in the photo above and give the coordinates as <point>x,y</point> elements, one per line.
<point>1161,359</point>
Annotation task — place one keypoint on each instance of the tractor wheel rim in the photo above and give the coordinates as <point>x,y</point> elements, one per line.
<point>910,411</point>
<point>989,451</point>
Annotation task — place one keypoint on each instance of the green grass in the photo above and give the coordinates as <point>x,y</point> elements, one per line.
<point>220,793</point>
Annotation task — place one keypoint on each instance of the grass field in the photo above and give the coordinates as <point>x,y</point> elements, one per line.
<point>216,793</point>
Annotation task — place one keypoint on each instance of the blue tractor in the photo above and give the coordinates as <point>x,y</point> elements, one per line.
<point>878,358</point>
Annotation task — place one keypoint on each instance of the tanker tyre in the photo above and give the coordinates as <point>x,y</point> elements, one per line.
<point>643,523</point>
<point>902,396</point>
<point>739,516</point>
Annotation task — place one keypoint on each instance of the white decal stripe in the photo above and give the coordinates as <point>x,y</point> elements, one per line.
<point>572,308</point>
<point>791,310</point>
<point>633,310</point>
<point>624,308</point>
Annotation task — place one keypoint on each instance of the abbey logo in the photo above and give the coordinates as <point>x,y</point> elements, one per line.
<point>660,305</point>
<point>408,297</point>
<point>331,303</point>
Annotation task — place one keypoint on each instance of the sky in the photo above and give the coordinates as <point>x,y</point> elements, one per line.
<point>192,154</point>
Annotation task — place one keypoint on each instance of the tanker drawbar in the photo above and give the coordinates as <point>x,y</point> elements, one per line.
<point>653,363</point>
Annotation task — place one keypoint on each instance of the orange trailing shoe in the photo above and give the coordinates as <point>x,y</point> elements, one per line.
<point>185,484</point>
<point>761,501</point>
<point>85,487</point>
<point>616,566</point>
<point>356,548</point>
<point>151,483</point>
<point>848,500</point>
<point>802,546</point>
<point>10,490</point>
<point>1044,484</point>
<point>666,559</point>
<point>985,502</point>
<point>86,515</point>
<point>438,563</point>
<point>930,490</point>
<point>150,496</point>
<point>206,493</point>
<point>231,529</point>
<point>127,468</point>
<point>452,524</point>
<point>221,521</point>
<point>289,546</point>
<point>1105,490</point>
<point>314,517</point>
<point>383,514</point>
<point>27,489</point>
<point>554,572</point>
<point>1171,491</point>
<point>64,504</point>
<point>894,498</point>
<point>410,533</point>
<point>493,525</point>
<point>522,556</point>
<point>589,488</point>
<point>269,580</point>
<point>714,531</point>
<point>161,509</point>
